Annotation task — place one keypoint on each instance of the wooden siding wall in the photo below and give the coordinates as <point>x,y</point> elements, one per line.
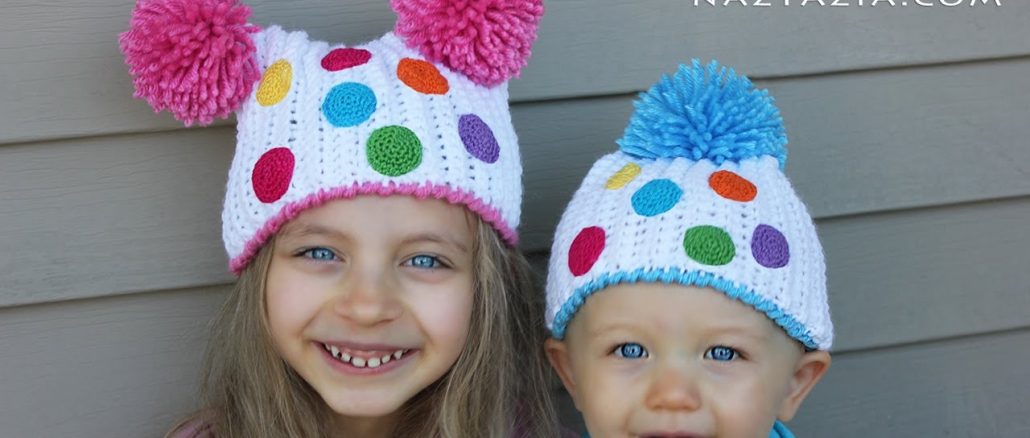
<point>909,143</point>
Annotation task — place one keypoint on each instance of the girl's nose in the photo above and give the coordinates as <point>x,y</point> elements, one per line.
<point>673,388</point>
<point>368,299</point>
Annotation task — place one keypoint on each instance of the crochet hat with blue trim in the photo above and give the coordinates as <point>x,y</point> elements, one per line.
<point>421,111</point>
<point>697,196</point>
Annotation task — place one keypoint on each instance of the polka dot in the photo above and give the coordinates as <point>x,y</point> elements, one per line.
<point>340,59</point>
<point>656,197</point>
<point>709,245</point>
<point>422,76</point>
<point>272,174</point>
<point>585,250</point>
<point>275,83</point>
<point>623,177</point>
<point>394,150</point>
<point>349,104</point>
<point>732,186</point>
<point>770,247</point>
<point>478,138</point>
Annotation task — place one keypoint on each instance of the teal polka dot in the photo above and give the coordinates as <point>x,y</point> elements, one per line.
<point>656,197</point>
<point>349,104</point>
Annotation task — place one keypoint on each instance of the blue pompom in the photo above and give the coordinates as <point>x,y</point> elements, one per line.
<point>705,113</point>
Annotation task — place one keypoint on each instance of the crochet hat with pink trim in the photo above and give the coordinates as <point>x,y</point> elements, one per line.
<point>696,196</point>
<point>421,111</point>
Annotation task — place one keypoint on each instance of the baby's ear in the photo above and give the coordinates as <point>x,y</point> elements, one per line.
<point>809,369</point>
<point>558,355</point>
<point>194,58</point>
<point>488,41</point>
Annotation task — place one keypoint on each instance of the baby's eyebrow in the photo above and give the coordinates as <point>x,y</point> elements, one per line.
<point>610,326</point>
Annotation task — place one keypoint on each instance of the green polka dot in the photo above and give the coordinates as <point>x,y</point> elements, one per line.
<point>709,245</point>
<point>394,150</point>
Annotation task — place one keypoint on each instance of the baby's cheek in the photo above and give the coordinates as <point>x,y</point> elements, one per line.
<point>607,398</point>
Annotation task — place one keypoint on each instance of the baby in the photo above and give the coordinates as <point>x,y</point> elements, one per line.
<point>686,291</point>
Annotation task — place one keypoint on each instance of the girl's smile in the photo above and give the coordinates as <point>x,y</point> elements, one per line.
<point>370,299</point>
<point>368,360</point>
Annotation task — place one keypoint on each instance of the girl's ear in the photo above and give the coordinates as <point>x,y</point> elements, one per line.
<point>488,41</point>
<point>809,369</point>
<point>194,58</point>
<point>558,355</point>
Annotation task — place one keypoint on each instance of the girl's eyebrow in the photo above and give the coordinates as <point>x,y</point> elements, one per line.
<point>436,238</point>
<point>307,229</point>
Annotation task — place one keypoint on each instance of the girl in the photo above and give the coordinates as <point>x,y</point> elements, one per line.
<point>370,214</point>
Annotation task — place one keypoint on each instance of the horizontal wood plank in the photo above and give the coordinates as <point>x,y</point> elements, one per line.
<point>112,215</point>
<point>64,76</point>
<point>969,387</point>
<point>112,367</point>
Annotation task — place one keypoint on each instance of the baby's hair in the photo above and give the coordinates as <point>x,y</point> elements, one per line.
<point>501,377</point>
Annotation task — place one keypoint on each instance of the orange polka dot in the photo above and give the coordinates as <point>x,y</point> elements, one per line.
<point>732,186</point>
<point>422,76</point>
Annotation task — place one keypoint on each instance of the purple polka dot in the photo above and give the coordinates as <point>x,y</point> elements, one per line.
<point>769,247</point>
<point>478,138</point>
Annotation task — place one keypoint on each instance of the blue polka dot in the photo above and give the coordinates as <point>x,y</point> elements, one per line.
<point>656,197</point>
<point>349,104</point>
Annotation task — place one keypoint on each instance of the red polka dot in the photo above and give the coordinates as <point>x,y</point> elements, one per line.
<point>340,59</point>
<point>732,186</point>
<point>422,76</point>
<point>272,174</point>
<point>585,250</point>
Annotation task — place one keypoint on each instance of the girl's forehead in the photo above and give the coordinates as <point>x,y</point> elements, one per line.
<point>397,217</point>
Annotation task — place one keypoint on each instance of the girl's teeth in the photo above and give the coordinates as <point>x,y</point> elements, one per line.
<point>361,362</point>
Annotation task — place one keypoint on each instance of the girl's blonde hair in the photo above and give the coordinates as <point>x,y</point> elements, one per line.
<point>499,386</point>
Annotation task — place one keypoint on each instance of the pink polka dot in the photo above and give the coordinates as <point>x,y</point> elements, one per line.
<point>339,59</point>
<point>272,174</point>
<point>585,250</point>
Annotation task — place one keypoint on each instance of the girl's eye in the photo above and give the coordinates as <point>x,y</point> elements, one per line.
<point>630,350</point>
<point>320,254</point>
<point>425,262</point>
<point>722,354</point>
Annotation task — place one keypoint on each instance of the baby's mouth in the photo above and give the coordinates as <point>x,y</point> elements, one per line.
<point>364,358</point>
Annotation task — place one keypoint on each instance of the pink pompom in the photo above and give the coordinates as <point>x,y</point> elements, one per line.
<point>192,57</point>
<point>487,40</point>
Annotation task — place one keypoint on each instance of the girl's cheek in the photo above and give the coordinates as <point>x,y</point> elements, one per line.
<point>446,317</point>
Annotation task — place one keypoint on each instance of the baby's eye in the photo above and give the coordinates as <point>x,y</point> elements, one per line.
<point>423,261</point>
<point>630,350</point>
<point>722,353</point>
<point>320,254</point>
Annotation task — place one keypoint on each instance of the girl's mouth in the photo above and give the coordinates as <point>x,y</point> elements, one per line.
<point>367,359</point>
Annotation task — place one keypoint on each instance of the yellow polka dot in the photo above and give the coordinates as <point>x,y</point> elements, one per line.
<point>275,83</point>
<point>623,177</point>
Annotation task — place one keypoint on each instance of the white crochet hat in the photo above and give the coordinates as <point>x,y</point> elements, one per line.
<point>422,111</point>
<point>696,196</point>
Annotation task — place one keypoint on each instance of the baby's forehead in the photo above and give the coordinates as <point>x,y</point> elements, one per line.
<point>670,309</point>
